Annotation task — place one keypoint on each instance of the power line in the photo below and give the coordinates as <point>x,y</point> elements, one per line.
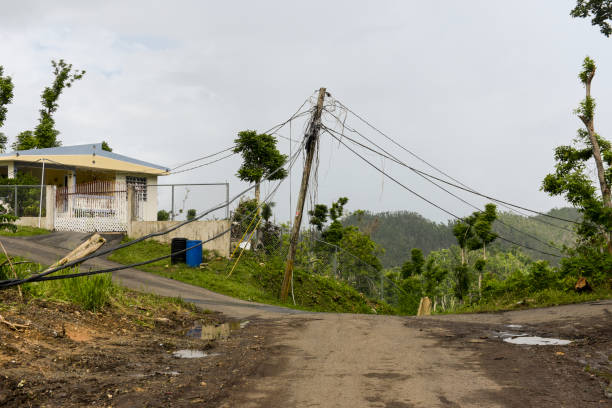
<point>429,201</point>
<point>203,158</point>
<point>391,157</point>
<point>149,261</point>
<point>273,130</point>
<point>204,164</point>
<point>449,183</point>
<point>13,282</point>
<point>440,171</point>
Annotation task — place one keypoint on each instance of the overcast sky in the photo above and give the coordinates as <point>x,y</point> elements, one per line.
<point>482,89</point>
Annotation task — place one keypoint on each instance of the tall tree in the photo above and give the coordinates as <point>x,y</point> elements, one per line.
<point>260,158</point>
<point>318,216</point>
<point>3,142</point>
<point>599,10</point>
<point>6,94</point>
<point>25,141</point>
<point>45,134</point>
<point>415,265</point>
<point>571,178</point>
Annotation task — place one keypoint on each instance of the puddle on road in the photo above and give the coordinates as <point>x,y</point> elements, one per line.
<point>536,341</point>
<point>187,353</point>
<point>213,332</point>
<point>528,339</point>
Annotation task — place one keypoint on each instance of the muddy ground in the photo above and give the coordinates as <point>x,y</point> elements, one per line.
<point>71,358</point>
<point>574,375</point>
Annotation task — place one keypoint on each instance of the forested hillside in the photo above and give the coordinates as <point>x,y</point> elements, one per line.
<point>399,232</point>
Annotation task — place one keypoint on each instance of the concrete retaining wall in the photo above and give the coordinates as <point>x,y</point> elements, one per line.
<point>200,230</point>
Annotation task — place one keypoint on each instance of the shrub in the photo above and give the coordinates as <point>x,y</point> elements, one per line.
<point>163,215</point>
<point>191,214</point>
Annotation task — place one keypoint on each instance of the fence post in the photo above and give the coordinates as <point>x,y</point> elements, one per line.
<point>50,201</point>
<point>172,207</point>
<point>131,196</point>
<point>16,201</point>
<point>227,214</point>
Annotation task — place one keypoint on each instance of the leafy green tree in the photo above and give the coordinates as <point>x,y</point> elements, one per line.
<point>25,141</point>
<point>266,211</point>
<point>571,178</point>
<point>337,208</point>
<point>260,158</point>
<point>6,94</point>
<point>433,275</point>
<point>318,216</point>
<point>3,142</point>
<point>243,215</point>
<point>364,266</point>
<point>415,265</point>
<point>600,10</point>
<point>45,134</point>
<point>191,214</point>
<point>163,215</point>
<point>461,275</point>
<point>335,231</point>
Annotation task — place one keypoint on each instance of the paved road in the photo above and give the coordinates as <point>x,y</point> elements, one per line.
<point>342,360</point>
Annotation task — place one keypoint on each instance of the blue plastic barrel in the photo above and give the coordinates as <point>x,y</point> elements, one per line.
<point>194,254</point>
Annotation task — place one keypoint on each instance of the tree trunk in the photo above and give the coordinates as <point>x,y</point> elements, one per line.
<point>257,193</point>
<point>601,174</point>
<point>462,256</point>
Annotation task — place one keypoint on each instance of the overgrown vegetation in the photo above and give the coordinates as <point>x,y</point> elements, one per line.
<point>399,231</point>
<point>257,277</point>
<point>93,293</point>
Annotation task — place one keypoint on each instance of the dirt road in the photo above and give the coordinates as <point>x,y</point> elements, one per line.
<point>333,360</point>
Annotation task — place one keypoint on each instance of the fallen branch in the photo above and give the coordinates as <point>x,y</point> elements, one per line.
<point>90,246</point>
<point>14,326</point>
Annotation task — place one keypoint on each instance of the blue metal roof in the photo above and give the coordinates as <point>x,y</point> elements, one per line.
<point>82,150</point>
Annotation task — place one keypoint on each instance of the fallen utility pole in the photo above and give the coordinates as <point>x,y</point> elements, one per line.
<point>312,138</point>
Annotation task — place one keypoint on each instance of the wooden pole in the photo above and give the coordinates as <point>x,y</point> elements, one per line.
<point>311,146</point>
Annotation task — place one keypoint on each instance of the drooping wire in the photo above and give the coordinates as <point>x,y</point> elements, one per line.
<point>393,158</point>
<point>12,282</point>
<point>427,200</point>
<point>502,203</point>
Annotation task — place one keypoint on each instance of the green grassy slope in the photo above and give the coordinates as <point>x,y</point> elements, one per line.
<point>256,279</point>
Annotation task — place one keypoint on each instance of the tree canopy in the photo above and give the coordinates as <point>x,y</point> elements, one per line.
<point>45,134</point>
<point>600,12</point>
<point>6,94</point>
<point>572,179</point>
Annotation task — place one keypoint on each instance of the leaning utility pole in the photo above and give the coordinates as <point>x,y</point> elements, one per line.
<point>312,138</point>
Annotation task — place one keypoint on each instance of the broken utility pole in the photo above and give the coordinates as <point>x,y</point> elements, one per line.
<point>312,138</point>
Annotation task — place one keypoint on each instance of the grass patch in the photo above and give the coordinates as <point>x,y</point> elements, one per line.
<point>24,231</point>
<point>256,278</point>
<point>543,298</point>
<point>93,293</point>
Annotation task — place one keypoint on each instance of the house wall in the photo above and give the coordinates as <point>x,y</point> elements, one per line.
<point>150,206</point>
<point>198,230</point>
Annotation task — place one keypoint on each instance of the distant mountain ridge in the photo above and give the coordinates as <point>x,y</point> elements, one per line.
<point>400,231</point>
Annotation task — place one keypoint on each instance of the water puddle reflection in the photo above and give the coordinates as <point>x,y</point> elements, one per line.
<point>537,341</point>
<point>215,331</point>
<point>187,353</point>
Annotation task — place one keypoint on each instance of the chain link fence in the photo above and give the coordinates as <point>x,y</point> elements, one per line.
<point>23,201</point>
<point>177,202</point>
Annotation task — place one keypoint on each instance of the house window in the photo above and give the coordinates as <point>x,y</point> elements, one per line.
<point>140,186</point>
